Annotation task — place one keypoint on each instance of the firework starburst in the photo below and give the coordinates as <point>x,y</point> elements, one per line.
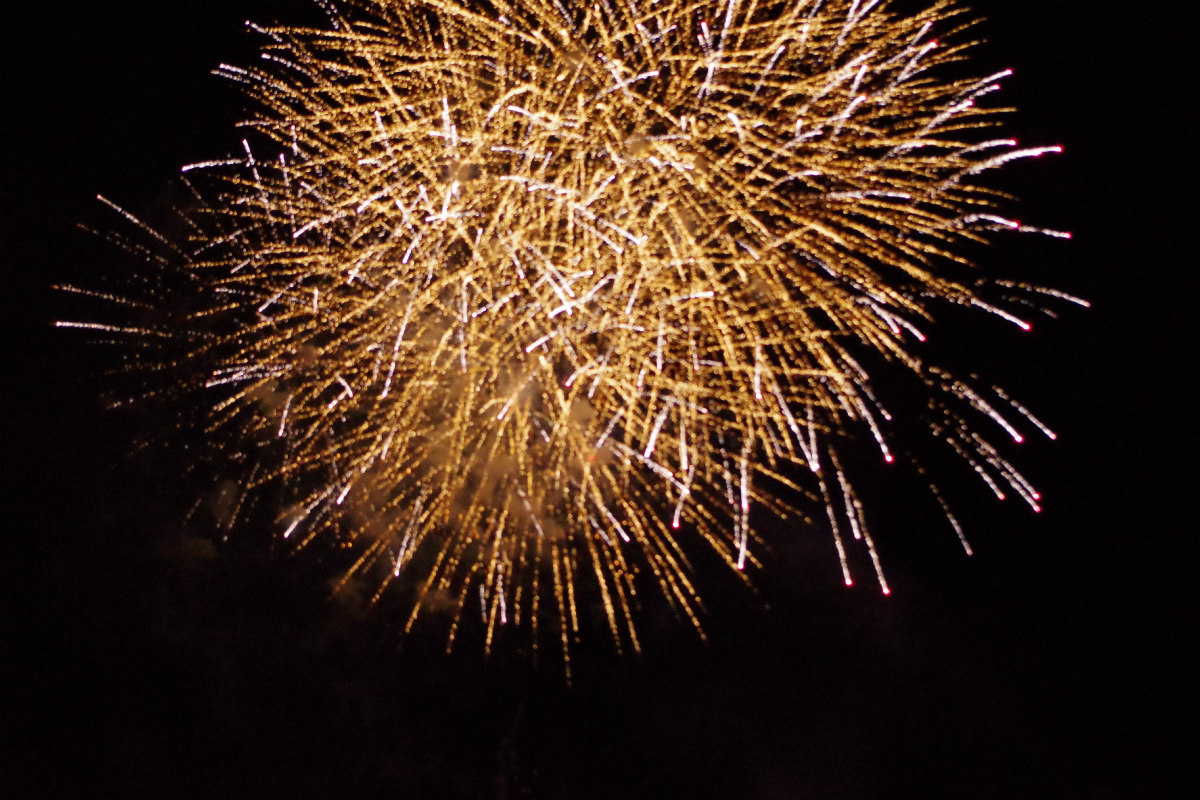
<point>520,301</point>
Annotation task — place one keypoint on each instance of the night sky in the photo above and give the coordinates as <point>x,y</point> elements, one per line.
<point>141,661</point>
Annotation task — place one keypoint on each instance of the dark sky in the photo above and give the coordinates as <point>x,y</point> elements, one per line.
<point>139,663</point>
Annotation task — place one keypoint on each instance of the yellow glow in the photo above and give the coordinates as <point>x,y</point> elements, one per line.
<point>536,297</point>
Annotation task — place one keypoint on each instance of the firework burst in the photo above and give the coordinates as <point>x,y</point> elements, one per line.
<point>520,301</point>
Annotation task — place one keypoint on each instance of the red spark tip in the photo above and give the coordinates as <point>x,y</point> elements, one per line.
<point>888,458</point>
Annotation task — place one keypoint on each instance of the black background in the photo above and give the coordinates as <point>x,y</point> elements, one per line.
<point>139,663</point>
